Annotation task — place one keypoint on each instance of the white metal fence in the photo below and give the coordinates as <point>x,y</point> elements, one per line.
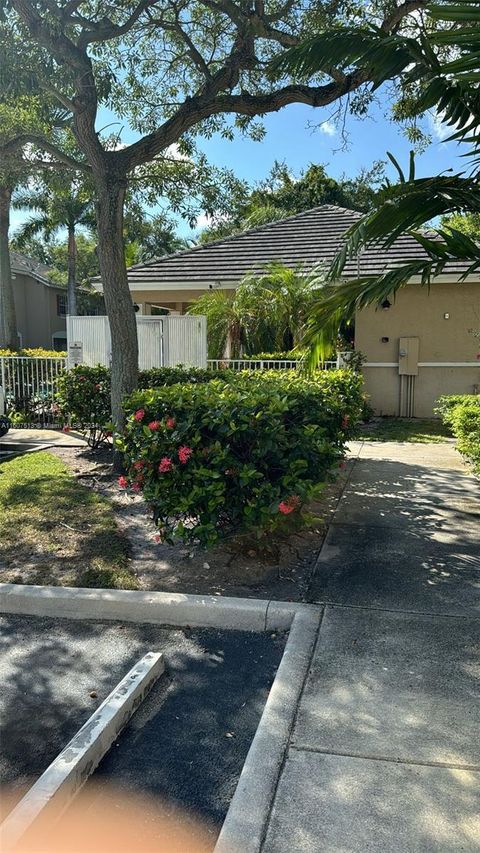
<point>262,364</point>
<point>29,385</point>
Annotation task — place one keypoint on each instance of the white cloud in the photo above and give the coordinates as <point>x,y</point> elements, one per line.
<point>438,129</point>
<point>203,221</point>
<point>328,127</point>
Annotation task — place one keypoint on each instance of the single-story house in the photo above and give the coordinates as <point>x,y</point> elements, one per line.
<point>41,305</point>
<point>419,345</point>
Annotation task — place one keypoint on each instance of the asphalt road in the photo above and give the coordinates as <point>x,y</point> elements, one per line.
<point>185,745</point>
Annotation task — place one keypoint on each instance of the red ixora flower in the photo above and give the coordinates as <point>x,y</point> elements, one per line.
<point>289,505</point>
<point>154,425</point>
<point>345,421</point>
<point>66,428</point>
<point>184,454</point>
<point>137,487</point>
<point>139,414</point>
<point>170,423</point>
<point>122,482</point>
<point>139,465</point>
<point>166,465</point>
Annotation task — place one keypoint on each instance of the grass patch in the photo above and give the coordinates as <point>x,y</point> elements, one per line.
<point>53,530</point>
<point>422,430</point>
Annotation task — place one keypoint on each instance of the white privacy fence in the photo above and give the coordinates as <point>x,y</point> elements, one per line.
<point>162,341</point>
<point>29,386</point>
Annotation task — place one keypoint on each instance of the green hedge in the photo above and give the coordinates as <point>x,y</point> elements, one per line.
<point>222,458</point>
<point>83,395</point>
<point>461,413</point>
<point>83,398</point>
<point>446,404</point>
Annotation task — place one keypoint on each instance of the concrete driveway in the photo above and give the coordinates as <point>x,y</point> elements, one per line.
<point>385,751</point>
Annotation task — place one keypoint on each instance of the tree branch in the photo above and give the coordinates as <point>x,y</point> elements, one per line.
<point>395,18</point>
<point>194,110</point>
<point>10,148</point>
<point>106,29</point>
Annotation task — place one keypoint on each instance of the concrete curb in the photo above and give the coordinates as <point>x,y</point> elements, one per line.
<point>156,608</point>
<point>56,787</point>
<point>247,818</point>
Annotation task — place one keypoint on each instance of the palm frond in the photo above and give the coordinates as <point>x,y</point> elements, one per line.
<point>406,207</point>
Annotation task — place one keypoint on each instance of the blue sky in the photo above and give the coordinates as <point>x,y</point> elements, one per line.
<point>290,137</point>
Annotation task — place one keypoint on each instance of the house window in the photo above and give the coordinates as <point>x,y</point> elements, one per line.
<point>61,304</point>
<point>59,341</point>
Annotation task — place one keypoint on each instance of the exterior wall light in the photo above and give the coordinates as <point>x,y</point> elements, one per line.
<point>386,304</point>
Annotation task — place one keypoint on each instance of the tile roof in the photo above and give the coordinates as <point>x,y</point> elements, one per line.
<point>23,265</point>
<point>309,238</point>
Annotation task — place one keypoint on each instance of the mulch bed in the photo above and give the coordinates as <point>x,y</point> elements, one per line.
<point>235,568</point>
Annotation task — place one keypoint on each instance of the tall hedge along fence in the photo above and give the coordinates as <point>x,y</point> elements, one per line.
<point>228,457</point>
<point>83,395</point>
<point>461,413</point>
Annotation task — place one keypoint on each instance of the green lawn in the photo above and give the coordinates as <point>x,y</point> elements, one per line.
<point>53,530</point>
<point>405,429</point>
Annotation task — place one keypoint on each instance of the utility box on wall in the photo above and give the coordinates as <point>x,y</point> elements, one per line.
<point>408,356</point>
<point>162,341</point>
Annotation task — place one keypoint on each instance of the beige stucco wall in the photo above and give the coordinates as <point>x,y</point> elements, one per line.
<point>36,308</point>
<point>174,300</point>
<point>417,312</point>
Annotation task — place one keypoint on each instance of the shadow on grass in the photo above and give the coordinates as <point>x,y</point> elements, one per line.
<point>55,530</point>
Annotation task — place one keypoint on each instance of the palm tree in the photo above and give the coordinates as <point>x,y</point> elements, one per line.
<point>442,62</point>
<point>224,325</point>
<point>274,305</point>
<point>267,313</point>
<point>60,203</point>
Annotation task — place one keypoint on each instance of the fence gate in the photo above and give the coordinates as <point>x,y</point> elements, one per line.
<point>29,385</point>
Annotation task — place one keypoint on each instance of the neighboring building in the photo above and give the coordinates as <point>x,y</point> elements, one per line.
<point>41,305</point>
<point>421,345</point>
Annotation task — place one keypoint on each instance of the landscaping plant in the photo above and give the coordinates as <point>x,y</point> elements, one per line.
<point>83,395</point>
<point>225,458</point>
<point>461,413</point>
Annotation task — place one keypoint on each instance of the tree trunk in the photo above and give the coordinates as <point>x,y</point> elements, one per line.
<point>8,317</point>
<point>118,300</point>
<point>72,272</point>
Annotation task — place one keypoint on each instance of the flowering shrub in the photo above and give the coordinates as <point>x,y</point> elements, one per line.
<point>226,458</point>
<point>83,395</point>
<point>462,414</point>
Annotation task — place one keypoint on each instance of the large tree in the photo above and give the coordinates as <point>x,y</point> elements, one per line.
<point>171,68</point>
<point>283,194</point>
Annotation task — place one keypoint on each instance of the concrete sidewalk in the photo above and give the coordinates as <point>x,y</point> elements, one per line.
<point>385,751</point>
